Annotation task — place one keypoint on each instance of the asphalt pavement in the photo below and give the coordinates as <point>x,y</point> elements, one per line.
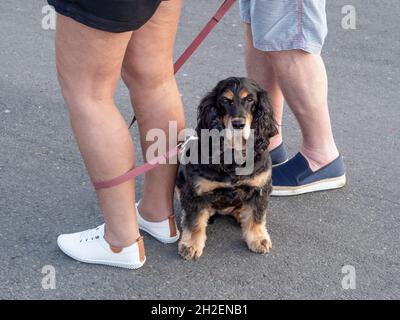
<point>45,191</point>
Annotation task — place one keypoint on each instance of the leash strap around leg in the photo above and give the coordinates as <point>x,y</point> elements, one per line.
<point>137,171</point>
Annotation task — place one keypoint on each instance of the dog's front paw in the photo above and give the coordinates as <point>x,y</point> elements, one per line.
<point>262,245</point>
<point>190,251</point>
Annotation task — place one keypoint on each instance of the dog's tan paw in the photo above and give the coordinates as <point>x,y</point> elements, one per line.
<point>190,251</point>
<point>263,245</point>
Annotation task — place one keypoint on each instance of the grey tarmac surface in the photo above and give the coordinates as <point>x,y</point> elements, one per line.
<point>45,191</point>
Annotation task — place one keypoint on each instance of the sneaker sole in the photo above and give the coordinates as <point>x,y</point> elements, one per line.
<point>104,262</point>
<point>322,185</point>
<point>159,238</point>
<point>280,163</point>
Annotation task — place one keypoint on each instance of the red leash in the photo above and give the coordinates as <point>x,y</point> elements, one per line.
<point>136,171</point>
<point>223,9</point>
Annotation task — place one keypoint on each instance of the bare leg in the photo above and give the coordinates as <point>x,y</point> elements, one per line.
<point>88,75</point>
<point>149,75</point>
<point>259,69</point>
<point>302,77</point>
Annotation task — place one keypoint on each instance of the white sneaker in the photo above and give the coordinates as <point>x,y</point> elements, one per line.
<point>90,247</point>
<point>165,231</point>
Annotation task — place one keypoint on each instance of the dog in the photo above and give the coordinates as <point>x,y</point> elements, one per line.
<point>237,106</point>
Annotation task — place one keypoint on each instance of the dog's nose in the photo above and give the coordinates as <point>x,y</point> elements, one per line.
<point>238,123</point>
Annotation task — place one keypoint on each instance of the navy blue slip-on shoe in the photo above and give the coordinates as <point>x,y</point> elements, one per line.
<point>295,177</point>
<point>279,155</point>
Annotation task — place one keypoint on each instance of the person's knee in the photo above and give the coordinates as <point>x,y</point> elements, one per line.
<point>146,75</point>
<point>81,104</point>
<point>84,97</point>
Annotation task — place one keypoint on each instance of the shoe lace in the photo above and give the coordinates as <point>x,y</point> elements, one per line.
<point>90,235</point>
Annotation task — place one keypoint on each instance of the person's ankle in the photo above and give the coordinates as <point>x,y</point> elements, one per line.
<point>154,213</point>
<point>318,158</point>
<point>275,142</point>
<point>118,240</point>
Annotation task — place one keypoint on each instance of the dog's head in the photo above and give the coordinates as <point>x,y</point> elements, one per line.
<point>238,105</point>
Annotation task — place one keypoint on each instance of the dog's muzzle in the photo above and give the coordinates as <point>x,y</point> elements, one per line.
<point>238,132</point>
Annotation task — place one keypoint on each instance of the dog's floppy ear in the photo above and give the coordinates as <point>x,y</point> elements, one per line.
<point>263,120</point>
<point>208,116</point>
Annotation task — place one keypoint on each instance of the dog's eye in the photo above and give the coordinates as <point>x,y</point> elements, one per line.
<point>249,99</point>
<point>227,101</point>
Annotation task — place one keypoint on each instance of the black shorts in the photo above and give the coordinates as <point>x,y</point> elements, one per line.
<point>108,15</point>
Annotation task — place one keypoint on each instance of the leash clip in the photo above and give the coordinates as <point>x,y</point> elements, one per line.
<point>182,146</point>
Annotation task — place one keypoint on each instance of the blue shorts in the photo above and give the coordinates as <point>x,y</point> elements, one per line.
<point>286,24</point>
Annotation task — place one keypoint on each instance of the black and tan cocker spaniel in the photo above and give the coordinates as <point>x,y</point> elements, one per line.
<point>240,109</point>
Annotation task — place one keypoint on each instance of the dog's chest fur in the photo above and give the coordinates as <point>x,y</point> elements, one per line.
<point>223,195</point>
<point>221,189</point>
